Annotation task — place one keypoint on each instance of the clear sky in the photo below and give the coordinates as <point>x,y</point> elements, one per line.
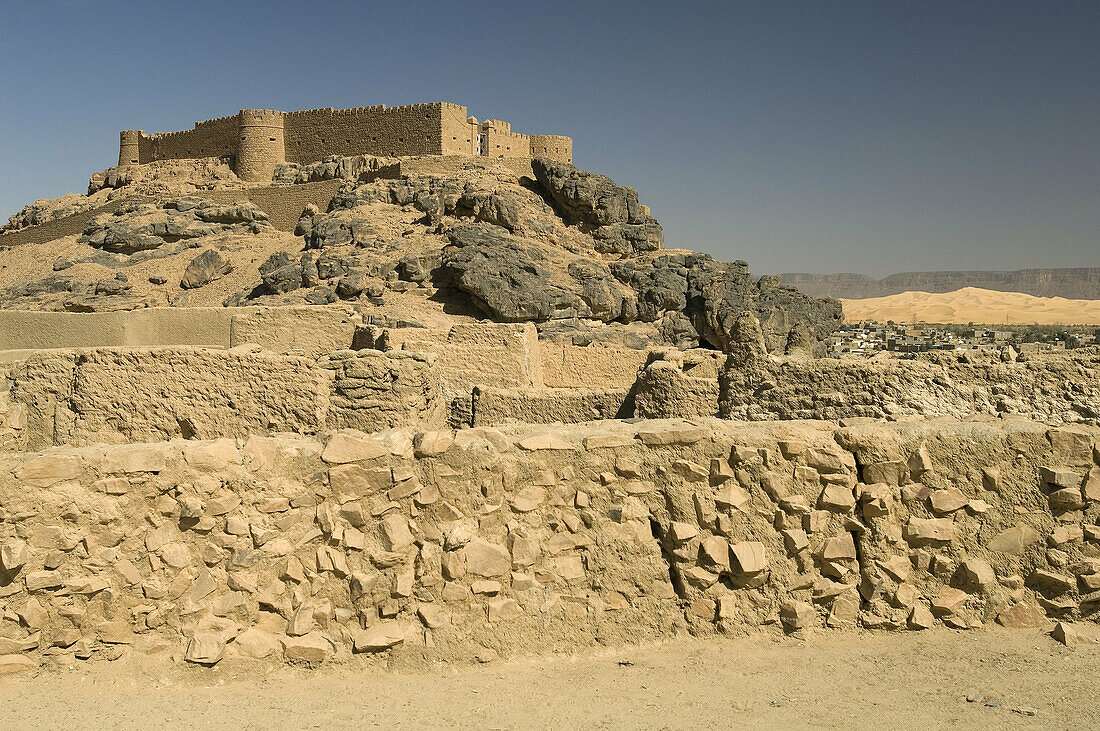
<point>818,136</point>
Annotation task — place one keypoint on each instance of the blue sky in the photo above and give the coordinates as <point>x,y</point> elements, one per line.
<point>802,136</point>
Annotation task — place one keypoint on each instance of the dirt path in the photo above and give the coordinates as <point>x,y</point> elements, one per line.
<point>846,680</point>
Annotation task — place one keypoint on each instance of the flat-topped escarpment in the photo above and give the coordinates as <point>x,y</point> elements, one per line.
<point>1071,283</point>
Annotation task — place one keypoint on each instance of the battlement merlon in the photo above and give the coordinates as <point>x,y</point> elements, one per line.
<point>256,140</point>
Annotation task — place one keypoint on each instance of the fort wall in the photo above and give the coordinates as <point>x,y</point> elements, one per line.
<point>211,138</point>
<point>413,129</point>
<point>257,140</point>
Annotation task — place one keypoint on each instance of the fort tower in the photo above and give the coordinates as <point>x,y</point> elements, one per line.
<point>260,145</point>
<point>129,147</point>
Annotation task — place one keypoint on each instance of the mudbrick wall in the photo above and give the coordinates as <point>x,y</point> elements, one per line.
<point>142,394</point>
<point>260,139</point>
<point>445,545</point>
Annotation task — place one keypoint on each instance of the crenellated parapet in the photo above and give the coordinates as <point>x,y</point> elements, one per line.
<point>257,140</point>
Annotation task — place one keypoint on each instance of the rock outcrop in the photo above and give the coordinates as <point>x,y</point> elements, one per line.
<point>571,245</point>
<point>138,226</point>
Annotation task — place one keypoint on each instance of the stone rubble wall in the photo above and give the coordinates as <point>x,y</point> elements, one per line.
<point>1055,388</point>
<point>454,546</point>
<point>675,383</point>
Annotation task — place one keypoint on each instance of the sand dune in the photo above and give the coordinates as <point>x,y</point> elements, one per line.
<point>971,304</point>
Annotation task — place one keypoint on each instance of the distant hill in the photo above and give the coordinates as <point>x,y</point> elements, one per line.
<point>1079,283</point>
<point>974,305</point>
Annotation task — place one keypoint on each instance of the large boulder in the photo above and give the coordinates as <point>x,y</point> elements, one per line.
<point>513,280</point>
<point>204,269</point>
<point>713,294</point>
<point>281,274</point>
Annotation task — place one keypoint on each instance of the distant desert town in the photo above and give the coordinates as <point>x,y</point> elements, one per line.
<point>869,338</point>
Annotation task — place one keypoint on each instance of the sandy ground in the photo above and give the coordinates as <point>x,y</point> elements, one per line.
<point>833,680</point>
<point>974,305</point>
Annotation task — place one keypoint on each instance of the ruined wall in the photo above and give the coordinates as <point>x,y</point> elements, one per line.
<point>32,330</point>
<point>114,395</point>
<point>1062,387</point>
<point>310,331</point>
<point>677,383</point>
<point>452,546</point>
<point>144,394</point>
<point>592,366</point>
<point>491,406</point>
<point>307,329</point>
<point>483,354</point>
<point>373,390</point>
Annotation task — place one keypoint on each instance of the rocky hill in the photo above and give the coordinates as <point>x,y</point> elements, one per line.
<point>1075,283</point>
<point>425,239</point>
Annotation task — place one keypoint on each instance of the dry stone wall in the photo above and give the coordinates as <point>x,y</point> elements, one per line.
<point>455,546</point>
<point>1057,388</point>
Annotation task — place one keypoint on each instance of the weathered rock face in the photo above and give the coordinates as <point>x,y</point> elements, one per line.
<point>434,546</point>
<point>611,212</point>
<point>591,254</point>
<point>47,209</point>
<point>138,227</point>
<point>514,282</point>
<point>167,178</point>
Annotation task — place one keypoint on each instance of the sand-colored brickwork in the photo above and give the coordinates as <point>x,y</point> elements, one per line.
<point>260,139</point>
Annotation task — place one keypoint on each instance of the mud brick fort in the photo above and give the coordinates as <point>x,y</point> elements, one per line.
<point>259,139</point>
